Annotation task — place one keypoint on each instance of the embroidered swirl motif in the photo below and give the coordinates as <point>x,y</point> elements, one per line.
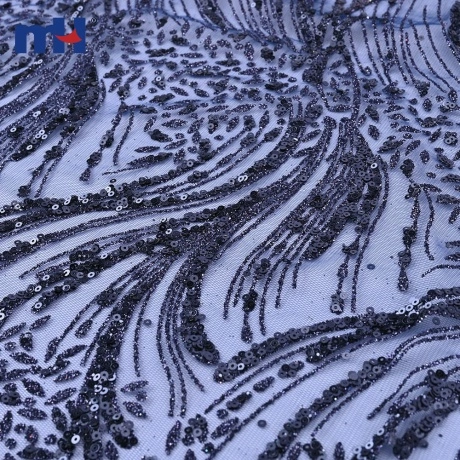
<point>228,226</point>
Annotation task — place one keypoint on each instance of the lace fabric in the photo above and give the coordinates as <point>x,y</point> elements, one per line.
<point>229,229</point>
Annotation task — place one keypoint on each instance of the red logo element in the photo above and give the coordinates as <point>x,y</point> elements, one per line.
<point>69,38</point>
